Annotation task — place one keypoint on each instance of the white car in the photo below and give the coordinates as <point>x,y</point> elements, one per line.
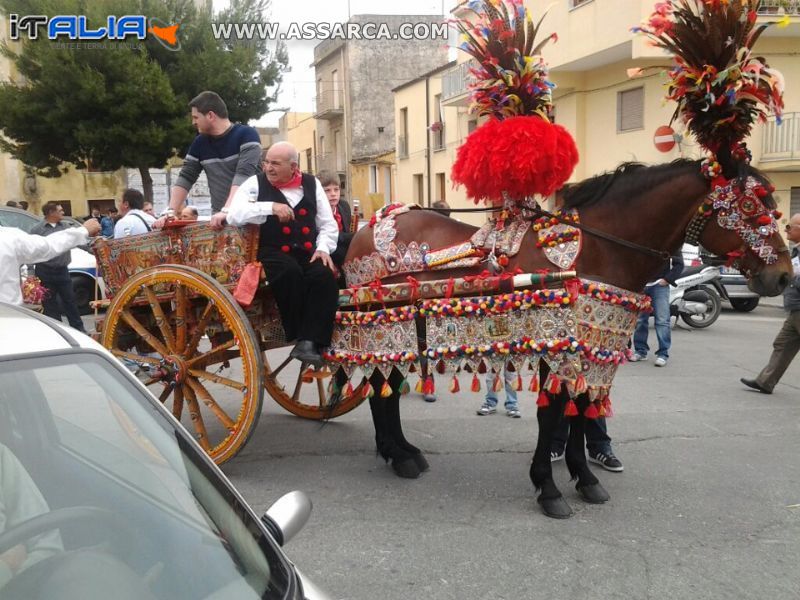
<point>106,495</point>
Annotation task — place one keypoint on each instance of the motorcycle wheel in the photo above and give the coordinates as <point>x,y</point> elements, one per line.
<point>744,304</point>
<point>714,304</point>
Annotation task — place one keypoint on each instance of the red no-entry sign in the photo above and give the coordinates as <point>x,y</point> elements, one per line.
<point>664,138</point>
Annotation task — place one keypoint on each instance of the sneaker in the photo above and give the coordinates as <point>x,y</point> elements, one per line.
<point>661,362</point>
<point>556,455</point>
<point>486,410</point>
<point>608,461</point>
<point>513,413</point>
<point>638,358</point>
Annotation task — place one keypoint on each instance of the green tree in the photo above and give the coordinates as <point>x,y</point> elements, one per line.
<point>126,106</point>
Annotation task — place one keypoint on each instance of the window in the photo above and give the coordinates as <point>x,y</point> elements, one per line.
<point>630,110</point>
<point>419,193</point>
<point>437,127</point>
<point>794,201</point>
<point>472,125</point>
<point>440,186</point>
<point>309,166</point>
<point>373,179</point>
<point>402,139</point>
<point>577,3</point>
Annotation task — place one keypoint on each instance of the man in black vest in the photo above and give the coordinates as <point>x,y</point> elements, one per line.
<point>298,235</point>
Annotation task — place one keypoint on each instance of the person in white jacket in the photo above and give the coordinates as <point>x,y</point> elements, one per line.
<point>18,248</point>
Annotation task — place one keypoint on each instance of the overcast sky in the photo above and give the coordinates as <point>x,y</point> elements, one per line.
<point>297,90</point>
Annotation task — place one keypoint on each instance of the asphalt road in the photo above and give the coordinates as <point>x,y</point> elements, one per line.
<point>708,505</point>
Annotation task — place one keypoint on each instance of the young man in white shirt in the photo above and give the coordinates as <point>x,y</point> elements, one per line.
<point>134,220</point>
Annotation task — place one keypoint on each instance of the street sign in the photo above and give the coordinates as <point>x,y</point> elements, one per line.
<point>664,138</point>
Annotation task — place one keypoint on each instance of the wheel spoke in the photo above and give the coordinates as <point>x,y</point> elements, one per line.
<point>162,397</point>
<point>181,302</point>
<point>218,379</point>
<point>148,337</point>
<point>191,347</point>
<point>150,360</point>
<point>203,394</point>
<point>161,319</point>
<point>274,374</point>
<point>299,385</point>
<point>201,435</point>
<point>323,397</point>
<point>177,403</point>
<point>229,344</point>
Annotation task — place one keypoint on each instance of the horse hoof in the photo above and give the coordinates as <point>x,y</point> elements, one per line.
<point>406,468</point>
<point>421,462</point>
<point>557,508</point>
<point>593,494</point>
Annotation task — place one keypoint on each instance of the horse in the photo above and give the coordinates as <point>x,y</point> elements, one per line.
<point>649,207</point>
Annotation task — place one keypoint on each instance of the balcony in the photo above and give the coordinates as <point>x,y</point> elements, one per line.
<point>779,7</point>
<point>455,84</point>
<point>780,144</point>
<point>329,105</point>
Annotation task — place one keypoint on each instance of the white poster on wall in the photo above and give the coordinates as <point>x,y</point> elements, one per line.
<point>199,196</point>
<point>162,182</point>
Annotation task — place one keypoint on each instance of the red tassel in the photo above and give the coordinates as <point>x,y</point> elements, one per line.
<point>534,386</point>
<point>348,390</point>
<point>553,383</point>
<point>476,383</point>
<point>454,386</point>
<point>591,412</point>
<point>607,407</point>
<point>368,391</point>
<point>420,386</point>
<point>543,399</point>
<point>498,384</point>
<point>571,410</point>
<point>386,390</point>
<point>428,388</point>
<point>518,385</point>
<point>580,384</point>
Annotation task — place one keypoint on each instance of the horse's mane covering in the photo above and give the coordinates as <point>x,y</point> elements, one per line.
<point>632,179</point>
<point>720,87</point>
<point>517,152</point>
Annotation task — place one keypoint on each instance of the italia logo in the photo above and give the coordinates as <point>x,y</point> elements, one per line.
<point>166,35</point>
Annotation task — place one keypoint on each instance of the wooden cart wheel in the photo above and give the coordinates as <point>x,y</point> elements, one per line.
<point>199,351</point>
<point>303,391</point>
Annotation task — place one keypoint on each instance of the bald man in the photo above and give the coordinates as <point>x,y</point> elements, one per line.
<point>298,234</point>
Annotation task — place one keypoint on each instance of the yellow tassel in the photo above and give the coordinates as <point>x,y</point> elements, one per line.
<point>518,385</point>
<point>386,390</point>
<point>419,386</point>
<point>498,385</point>
<point>454,385</point>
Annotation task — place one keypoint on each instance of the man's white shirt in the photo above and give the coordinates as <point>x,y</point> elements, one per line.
<point>131,224</point>
<point>242,211</point>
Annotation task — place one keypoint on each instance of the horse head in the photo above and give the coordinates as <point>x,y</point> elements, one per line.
<point>738,220</point>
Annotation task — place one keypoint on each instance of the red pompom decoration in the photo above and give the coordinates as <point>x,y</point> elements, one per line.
<point>285,248</point>
<point>286,230</point>
<point>308,245</point>
<point>305,230</point>
<point>302,212</point>
<point>520,156</point>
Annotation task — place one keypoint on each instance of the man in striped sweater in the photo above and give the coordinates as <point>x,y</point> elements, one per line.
<point>229,153</point>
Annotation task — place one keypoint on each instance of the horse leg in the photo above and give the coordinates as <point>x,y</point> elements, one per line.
<point>396,426</point>
<point>541,472</point>
<point>383,418</point>
<point>588,485</point>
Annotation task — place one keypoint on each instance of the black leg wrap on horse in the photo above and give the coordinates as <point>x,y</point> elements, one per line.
<point>403,462</point>
<point>396,426</point>
<point>541,471</point>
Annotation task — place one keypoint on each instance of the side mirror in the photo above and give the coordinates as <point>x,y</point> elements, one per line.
<point>287,516</point>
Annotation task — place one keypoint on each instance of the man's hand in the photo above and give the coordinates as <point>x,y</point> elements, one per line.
<point>92,226</point>
<point>161,221</point>
<point>662,282</point>
<point>218,220</point>
<point>325,258</point>
<point>15,557</point>
<point>284,213</point>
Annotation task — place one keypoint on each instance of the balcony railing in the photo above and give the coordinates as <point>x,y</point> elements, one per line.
<point>775,7</point>
<point>455,82</point>
<point>781,142</point>
<point>329,104</point>
<point>402,147</point>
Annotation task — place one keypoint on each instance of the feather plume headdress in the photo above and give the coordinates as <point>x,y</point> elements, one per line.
<point>518,152</point>
<point>720,87</point>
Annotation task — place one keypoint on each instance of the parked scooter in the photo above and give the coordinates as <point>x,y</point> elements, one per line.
<point>694,298</point>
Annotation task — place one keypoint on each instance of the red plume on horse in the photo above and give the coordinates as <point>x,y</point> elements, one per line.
<point>583,267</point>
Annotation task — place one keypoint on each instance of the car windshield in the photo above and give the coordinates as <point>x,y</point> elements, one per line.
<point>122,487</point>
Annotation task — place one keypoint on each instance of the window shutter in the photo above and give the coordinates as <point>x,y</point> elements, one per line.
<point>630,109</point>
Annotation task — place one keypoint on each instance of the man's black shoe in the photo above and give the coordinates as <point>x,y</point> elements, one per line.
<point>306,351</point>
<point>752,383</point>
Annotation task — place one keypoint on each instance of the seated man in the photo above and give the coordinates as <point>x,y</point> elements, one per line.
<point>298,235</point>
<point>189,213</point>
<point>134,220</point>
<point>20,500</point>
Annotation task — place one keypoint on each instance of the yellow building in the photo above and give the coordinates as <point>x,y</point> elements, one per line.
<point>612,118</point>
<point>299,129</point>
